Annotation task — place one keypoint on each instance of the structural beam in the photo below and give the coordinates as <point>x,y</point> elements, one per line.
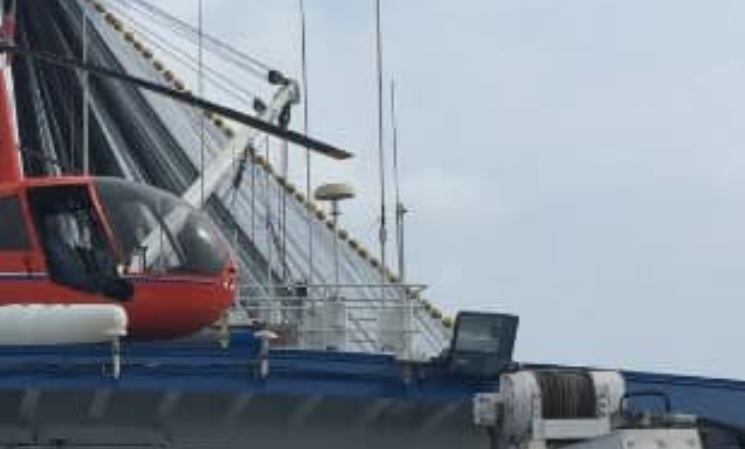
<point>438,417</point>
<point>167,405</point>
<point>99,404</point>
<point>237,406</point>
<point>220,167</point>
<point>373,412</point>
<point>28,406</point>
<point>306,407</point>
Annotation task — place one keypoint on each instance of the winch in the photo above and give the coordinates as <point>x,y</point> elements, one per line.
<point>586,409</point>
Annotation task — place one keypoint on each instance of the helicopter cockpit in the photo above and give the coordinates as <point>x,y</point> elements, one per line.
<point>97,236</point>
<point>159,233</point>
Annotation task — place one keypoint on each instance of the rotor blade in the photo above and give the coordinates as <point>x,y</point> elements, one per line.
<point>232,114</point>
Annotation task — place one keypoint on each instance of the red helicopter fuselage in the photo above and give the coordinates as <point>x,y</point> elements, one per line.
<point>169,296</point>
<point>87,240</point>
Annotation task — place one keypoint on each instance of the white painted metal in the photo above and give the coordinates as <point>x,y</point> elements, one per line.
<point>224,161</point>
<point>515,419</point>
<point>610,388</point>
<point>523,414</point>
<point>394,327</point>
<point>61,324</point>
<point>335,312</point>
<point>325,325</point>
<point>521,396</point>
<point>645,439</point>
<point>486,408</point>
<point>334,192</point>
<point>570,429</point>
<point>327,311</point>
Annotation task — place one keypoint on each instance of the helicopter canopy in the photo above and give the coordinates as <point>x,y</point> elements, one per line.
<point>158,232</point>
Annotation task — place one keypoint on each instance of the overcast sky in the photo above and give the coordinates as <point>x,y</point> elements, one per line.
<point>578,162</point>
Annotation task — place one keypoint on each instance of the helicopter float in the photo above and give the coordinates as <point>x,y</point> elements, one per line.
<point>91,259</point>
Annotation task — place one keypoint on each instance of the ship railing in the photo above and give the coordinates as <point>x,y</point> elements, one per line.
<point>374,317</point>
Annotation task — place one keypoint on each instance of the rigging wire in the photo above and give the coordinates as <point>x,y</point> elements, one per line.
<point>178,26</point>
<point>306,126</point>
<point>216,78</point>
<point>200,88</point>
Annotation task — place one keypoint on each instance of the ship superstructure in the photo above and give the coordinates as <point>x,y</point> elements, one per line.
<point>346,355</point>
<point>203,157</point>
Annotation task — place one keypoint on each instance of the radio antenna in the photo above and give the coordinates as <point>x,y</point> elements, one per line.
<point>381,147</point>
<point>400,209</point>
<point>306,126</point>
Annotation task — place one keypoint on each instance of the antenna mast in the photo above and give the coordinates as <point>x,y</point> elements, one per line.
<point>381,148</point>
<point>306,126</point>
<point>400,209</point>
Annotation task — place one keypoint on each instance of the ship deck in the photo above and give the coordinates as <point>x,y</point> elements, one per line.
<point>197,394</point>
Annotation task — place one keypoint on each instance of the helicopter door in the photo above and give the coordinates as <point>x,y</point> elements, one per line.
<point>15,245</point>
<point>74,243</point>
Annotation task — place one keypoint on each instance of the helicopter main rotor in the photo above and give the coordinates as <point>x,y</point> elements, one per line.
<point>280,132</point>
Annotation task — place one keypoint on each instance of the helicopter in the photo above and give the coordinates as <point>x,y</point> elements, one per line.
<point>97,253</point>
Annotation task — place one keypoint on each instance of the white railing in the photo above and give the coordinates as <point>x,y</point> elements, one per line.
<point>370,317</point>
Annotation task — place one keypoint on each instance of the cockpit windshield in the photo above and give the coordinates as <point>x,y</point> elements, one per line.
<point>158,232</point>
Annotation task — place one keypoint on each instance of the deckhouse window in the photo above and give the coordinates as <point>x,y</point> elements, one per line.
<point>13,235</point>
